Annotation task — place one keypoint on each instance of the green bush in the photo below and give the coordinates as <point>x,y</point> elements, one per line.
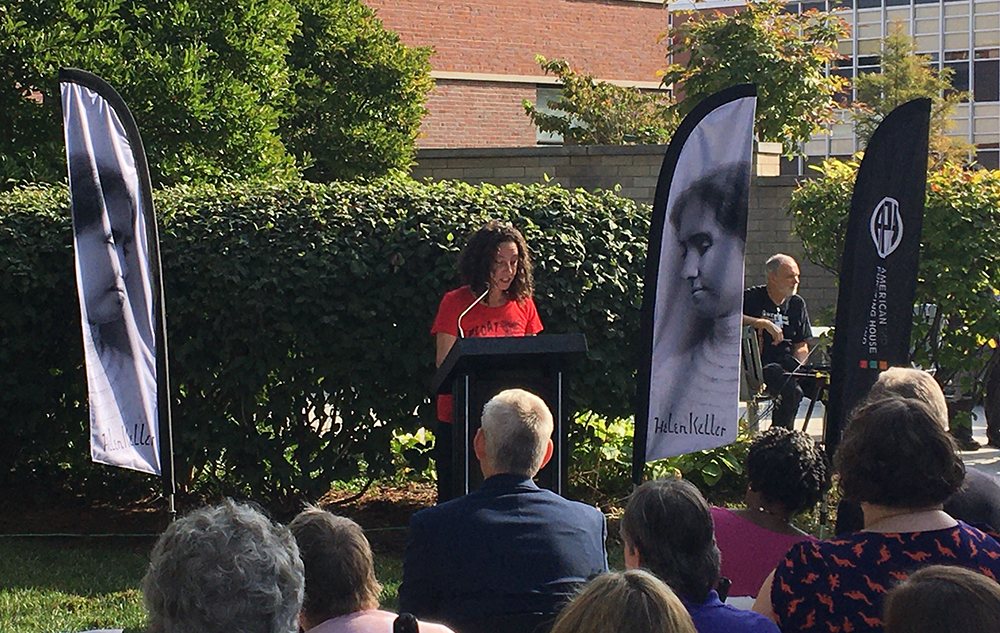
<point>299,321</point>
<point>204,80</point>
<point>359,93</point>
<point>600,470</point>
<point>591,112</point>
<point>210,82</point>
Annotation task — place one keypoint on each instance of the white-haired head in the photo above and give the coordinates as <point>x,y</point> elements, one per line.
<point>515,434</point>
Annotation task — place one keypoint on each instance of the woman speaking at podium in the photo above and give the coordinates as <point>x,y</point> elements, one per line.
<point>495,301</point>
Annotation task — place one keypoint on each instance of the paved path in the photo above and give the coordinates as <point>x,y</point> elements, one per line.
<point>986,459</point>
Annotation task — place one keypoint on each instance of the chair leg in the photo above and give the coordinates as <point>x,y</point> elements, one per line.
<point>812,403</point>
<point>809,412</point>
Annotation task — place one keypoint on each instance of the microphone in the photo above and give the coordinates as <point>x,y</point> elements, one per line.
<point>405,623</point>
<point>461,333</point>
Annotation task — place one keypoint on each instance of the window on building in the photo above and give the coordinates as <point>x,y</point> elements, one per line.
<point>544,94</point>
<point>988,158</point>
<point>986,81</point>
<point>960,75</point>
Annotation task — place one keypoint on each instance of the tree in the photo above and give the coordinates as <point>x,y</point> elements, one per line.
<point>594,112</point>
<point>784,54</point>
<point>359,93</point>
<point>209,83</point>
<point>906,76</point>
<point>203,80</point>
<point>959,262</point>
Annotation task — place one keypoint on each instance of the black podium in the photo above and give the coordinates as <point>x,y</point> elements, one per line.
<point>476,369</point>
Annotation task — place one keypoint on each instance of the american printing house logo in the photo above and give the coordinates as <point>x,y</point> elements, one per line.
<point>886,226</point>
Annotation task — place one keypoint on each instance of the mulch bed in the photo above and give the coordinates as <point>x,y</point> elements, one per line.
<point>384,511</point>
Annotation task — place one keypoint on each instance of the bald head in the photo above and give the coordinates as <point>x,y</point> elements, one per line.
<point>776,261</point>
<point>516,432</point>
<point>782,277</point>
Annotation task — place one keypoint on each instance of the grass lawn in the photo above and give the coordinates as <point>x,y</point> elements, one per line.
<point>54,585</point>
<point>65,584</point>
<point>62,585</point>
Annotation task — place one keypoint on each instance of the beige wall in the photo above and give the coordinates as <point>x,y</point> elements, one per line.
<point>635,169</point>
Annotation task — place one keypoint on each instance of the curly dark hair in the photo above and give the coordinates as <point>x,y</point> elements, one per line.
<point>896,454</point>
<point>669,523</point>
<point>787,467</point>
<point>476,260</point>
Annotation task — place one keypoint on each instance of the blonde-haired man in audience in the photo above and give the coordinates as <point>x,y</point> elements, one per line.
<point>509,549</point>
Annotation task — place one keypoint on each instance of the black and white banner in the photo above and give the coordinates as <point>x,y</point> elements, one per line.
<point>878,270</point>
<point>117,272</point>
<point>688,391</point>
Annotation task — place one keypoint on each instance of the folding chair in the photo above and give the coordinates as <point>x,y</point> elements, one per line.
<point>752,389</point>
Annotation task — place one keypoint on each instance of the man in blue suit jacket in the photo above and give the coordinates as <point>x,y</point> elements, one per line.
<point>509,547</point>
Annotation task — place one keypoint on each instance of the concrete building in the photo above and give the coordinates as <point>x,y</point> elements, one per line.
<point>963,35</point>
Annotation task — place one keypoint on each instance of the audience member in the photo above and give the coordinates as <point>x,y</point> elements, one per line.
<point>667,529</point>
<point>942,599</point>
<point>508,548</point>
<point>224,569</point>
<point>900,464</point>
<point>977,502</point>
<point>625,602</point>
<point>341,594</point>
<point>786,475</point>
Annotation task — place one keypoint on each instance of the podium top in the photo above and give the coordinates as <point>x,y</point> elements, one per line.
<point>507,351</point>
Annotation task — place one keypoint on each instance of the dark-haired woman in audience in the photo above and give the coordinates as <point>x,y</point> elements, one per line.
<point>667,530</point>
<point>897,461</point>
<point>631,602</point>
<point>787,475</point>
<point>496,300</point>
<point>942,599</point>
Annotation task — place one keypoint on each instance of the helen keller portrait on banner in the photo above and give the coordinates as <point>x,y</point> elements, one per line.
<point>115,303</point>
<point>697,342</point>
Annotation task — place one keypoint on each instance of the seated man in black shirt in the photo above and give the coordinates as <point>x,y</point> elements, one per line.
<point>781,316</point>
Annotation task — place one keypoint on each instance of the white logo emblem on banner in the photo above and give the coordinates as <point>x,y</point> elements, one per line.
<point>887,226</point>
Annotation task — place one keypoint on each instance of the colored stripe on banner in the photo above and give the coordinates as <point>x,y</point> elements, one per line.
<point>878,272</point>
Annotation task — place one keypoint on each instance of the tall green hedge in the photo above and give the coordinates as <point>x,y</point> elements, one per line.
<point>299,321</point>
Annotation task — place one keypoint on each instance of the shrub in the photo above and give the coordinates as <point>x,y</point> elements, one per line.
<point>591,112</point>
<point>204,80</point>
<point>600,470</point>
<point>359,93</point>
<point>299,321</point>
<point>208,83</point>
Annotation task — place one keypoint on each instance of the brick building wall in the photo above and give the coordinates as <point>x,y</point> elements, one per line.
<point>635,170</point>
<point>484,60</point>
<point>496,120</point>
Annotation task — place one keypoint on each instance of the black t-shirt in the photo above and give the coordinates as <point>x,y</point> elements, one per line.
<point>791,316</point>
